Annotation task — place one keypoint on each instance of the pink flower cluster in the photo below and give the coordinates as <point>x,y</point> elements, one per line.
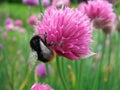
<point>69,30</point>
<point>100,12</point>
<point>14,25</point>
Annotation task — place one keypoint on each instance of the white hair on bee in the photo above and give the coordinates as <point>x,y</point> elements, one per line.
<point>32,59</point>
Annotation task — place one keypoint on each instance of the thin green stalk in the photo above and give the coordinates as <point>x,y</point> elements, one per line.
<point>97,78</point>
<point>62,65</point>
<point>109,60</point>
<point>41,7</point>
<point>48,74</point>
<point>60,73</point>
<point>79,76</point>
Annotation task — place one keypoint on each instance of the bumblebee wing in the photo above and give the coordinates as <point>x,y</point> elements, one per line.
<point>47,52</point>
<point>32,59</point>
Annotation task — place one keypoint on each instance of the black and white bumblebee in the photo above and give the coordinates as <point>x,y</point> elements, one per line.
<point>42,48</point>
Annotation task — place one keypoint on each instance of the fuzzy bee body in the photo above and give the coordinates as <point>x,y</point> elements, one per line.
<point>40,46</point>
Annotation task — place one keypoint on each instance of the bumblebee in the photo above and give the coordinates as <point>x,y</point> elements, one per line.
<point>42,48</point>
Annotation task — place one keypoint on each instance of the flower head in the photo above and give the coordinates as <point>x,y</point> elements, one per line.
<point>68,30</point>
<point>9,24</point>
<point>100,12</point>
<point>41,70</point>
<point>38,86</point>
<point>31,2</point>
<point>8,21</point>
<point>18,23</point>
<point>32,20</point>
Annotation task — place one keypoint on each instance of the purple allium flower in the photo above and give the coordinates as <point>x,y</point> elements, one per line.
<point>18,23</point>
<point>32,20</point>
<point>70,31</point>
<point>38,86</point>
<point>41,70</point>
<point>60,3</point>
<point>1,47</point>
<point>100,12</point>
<point>8,21</point>
<point>31,2</point>
<point>45,3</point>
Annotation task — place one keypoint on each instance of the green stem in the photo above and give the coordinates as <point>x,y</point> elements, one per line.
<point>60,73</point>
<point>41,7</point>
<point>97,78</point>
<point>48,74</point>
<point>79,76</point>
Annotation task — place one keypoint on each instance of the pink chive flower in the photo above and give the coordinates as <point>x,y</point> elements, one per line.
<point>31,2</point>
<point>60,3</point>
<point>18,23</point>
<point>69,30</point>
<point>41,70</point>
<point>38,86</point>
<point>32,20</point>
<point>45,3</point>
<point>9,24</point>
<point>1,47</point>
<point>100,12</point>
<point>8,21</point>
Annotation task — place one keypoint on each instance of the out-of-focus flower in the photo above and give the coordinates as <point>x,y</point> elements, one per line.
<point>1,47</point>
<point>38,86</point>
<point>69,30</point>
<point>45,3</point>
<point>18,23</point>
<point>32,20</point>
<point>9,24</point>
<point>31,2</point>
<point>8,21</point>
<point>60,3</point>
<point>4,35</point>
<point>9,27</point>
<point>41,70</point>
<point>100,12</point>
